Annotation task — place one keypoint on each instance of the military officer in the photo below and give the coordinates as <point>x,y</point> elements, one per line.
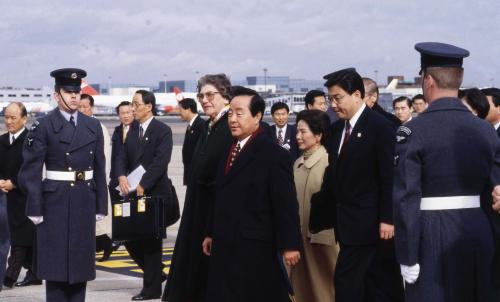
<point>65,205</point>
<point>444,159</point>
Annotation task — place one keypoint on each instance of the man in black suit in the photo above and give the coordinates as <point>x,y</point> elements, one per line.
<point>255,221</point>
<point>371,100</point>
<point>493,117</point>
<point>21,228</point>
<point>148,143</point>
<point>282,132</point>
<point>189,113</point>
<point>359,183</point>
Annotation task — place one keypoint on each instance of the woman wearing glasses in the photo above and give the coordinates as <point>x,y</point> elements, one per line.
<point>188,271</point>
<point>312,278</point>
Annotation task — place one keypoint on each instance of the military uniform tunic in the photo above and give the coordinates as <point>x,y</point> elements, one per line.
<point>66,237</point>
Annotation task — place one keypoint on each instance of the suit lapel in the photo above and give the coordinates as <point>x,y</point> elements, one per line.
<point>63,127</point>
<point>246,157</point>
<point>356,135</point>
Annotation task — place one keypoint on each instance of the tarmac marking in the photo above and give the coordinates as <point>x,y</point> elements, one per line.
<point>120,262</point>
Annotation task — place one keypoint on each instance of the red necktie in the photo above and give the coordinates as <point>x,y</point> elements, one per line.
<point>347,133</point>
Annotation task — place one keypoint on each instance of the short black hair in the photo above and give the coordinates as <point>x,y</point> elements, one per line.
<point>476,100</point>
<point>494,93</point>
<point>402,99</point>
<point>348,79</point>
<point>88,97</point>
<point>278,106</point>
<point>189,103</point>
<point>317,120</point>
<point>257,103</point>
<point>124,103</point>
<point>311,95</point>
<point>148,98</point>
<point>418,97</point>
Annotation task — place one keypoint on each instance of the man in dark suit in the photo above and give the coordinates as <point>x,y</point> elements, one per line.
<point>189,113</point>
<point>282,132</point>
<point>371,100</point>
<point>21,228</point>
<point>493,117</point>
<point>445,159</point>
<point>255,221</point>
<point>358,182</point>
<point>66,204</point>
<point>148,144</point>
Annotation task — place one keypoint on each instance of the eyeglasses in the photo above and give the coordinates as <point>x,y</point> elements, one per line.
<point>335,98</point>
<point>209,95</point>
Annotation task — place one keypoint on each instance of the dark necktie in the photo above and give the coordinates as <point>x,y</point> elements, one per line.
<point>280,137</point>
<point>12,139</point>
<point>141,133</point>
<point>72,121</point>
<point>347,133</point>
<point>234,153</point>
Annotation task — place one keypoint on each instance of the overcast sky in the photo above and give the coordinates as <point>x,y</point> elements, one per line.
<point>135,41</point>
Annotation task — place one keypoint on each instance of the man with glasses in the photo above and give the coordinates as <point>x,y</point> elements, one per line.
<point>444,160</point>
<point>148,144</point>
<point>371,100</point>
<point>66,204</point>
<point>358,184</point>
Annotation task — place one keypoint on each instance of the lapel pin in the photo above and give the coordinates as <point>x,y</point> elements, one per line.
<point>359,134</point>
<point>146,138</point>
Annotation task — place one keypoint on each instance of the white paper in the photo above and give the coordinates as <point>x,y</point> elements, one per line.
<point>133,179</point>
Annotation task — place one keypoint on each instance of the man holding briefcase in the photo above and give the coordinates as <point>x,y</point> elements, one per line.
<point>148,144</point>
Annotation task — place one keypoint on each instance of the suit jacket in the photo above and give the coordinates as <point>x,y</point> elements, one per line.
<point>66,237</point>
<point>190,140</point>
<point>390,117</point>
<point>21,228</point>
<point>255,219</point>
<point>153,153</point>
<point>116,147</point>
<point>289,139</point>
<point>359,179</point>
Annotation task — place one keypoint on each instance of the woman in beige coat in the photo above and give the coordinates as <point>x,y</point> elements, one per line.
<point>312,278</point>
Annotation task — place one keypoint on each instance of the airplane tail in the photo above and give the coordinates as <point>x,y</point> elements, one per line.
<point>87,89</point>
<point>392,85</point>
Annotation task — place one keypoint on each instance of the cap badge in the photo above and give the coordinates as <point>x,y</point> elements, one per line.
<point>73,75</point>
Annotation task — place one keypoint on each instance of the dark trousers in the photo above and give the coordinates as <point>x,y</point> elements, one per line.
<point>367,273</point>
<point>102,242</point>
<point>4,236</point>
<point>148,255</point>
<point>20,256</point>
<point>65,292</point>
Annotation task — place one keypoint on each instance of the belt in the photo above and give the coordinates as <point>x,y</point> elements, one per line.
<point>70,175</point>
<point>449,203</point>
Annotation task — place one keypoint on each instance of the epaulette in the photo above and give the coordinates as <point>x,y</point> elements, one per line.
<point>402,134</point>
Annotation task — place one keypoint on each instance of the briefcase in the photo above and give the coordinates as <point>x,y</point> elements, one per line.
<point>136,218</point>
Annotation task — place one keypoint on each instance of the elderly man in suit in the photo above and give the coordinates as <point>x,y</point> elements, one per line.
<point>358,182</point>
<point>255,221</point>
<point>67,203</point>
<point>22,229</point>
<point>189,113</point>
<point>148,144</point>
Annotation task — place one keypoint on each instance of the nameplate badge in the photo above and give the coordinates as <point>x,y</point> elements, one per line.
<point>126,209</point>
<point>117,210</point>
<point>141,205</point>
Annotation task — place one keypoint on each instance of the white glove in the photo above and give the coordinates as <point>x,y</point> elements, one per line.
<point>410,273</point>
<point>99,217</point>
<point>36,219</point>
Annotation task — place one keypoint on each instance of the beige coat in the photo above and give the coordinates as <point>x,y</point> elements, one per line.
<point>104,226</point>
<point>312,277</point>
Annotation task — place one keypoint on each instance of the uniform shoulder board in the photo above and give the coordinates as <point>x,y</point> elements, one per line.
<point>402,134</point>
<point>34,125</point>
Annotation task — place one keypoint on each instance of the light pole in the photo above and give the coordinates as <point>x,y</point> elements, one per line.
<point>265,80</point>
<point>109,85</point>
<point>165,81</point>
<point>376,76</point>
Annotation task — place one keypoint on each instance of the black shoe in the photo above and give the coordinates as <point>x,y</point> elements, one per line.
<point>107,252</point>
<point>7,282</point>
<point>29,282</point>
<point>143,297</point>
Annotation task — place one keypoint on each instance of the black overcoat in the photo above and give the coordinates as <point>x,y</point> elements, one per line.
<point>188,272</point>
<point>189,144</point>
<point>66,237</point>
<point>21,228</point>
<point>255,219</point>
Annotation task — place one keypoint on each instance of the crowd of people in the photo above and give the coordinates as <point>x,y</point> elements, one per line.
<point>348,202</point>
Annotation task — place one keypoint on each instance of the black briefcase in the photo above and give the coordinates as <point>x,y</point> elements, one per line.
<point>136,218</point>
